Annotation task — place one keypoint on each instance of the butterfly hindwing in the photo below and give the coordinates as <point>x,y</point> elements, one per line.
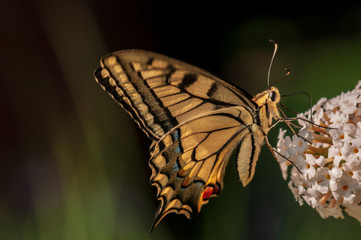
<point>188,163</point>
<point>160,92</point>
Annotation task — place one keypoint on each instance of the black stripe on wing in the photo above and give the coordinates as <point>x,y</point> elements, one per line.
<point>161,92</point>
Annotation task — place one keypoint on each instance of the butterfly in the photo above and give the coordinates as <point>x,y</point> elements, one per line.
<point>194,120</point>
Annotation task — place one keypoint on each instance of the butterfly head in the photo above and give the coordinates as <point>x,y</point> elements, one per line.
<point>274,95</point>
<point>270,96</point>
<point>267,104</point>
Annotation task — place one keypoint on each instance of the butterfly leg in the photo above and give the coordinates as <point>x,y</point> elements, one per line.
<point>306,120</point>
<point>274,152</point>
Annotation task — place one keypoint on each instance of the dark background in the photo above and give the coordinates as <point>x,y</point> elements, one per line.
<point>74,165</point>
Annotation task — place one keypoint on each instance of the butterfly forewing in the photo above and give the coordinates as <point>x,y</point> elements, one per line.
<point>195,121</point>
<point>161,92</point>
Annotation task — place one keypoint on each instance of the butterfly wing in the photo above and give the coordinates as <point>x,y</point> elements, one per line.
<point>188,163</point>
<point>161,92</point>
<point>194,119</point>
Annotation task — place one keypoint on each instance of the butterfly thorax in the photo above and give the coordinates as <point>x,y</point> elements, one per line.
<point>267,103</point>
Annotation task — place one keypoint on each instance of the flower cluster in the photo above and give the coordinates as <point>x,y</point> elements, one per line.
<point>326,156</point>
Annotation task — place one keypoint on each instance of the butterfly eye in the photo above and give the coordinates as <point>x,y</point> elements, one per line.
<point>273,96</point>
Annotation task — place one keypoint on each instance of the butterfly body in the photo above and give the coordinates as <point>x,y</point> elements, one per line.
<point>195,121</point>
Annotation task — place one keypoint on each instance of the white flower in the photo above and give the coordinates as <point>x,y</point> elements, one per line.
<point>327,175</point>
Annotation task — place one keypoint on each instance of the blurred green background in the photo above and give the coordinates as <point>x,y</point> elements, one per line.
<point>74,165</point>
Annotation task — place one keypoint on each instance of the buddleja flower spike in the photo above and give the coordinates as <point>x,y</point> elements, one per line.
<point>329,162</point>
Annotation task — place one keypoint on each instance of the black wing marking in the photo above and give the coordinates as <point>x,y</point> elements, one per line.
<point>160,92</point>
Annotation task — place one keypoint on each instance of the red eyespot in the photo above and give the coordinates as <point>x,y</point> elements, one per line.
<point>207,193</point>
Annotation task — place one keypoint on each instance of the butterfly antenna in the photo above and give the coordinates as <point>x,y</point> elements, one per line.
<point>271,62</point>
<point>288,72</point>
